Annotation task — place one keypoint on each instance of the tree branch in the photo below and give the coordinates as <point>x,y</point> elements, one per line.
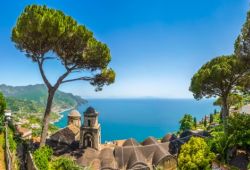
<point>40,65</point>
<point>80,78</point>
<point>62,77</point>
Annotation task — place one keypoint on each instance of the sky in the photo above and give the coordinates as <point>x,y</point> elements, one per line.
<point>156,46</point>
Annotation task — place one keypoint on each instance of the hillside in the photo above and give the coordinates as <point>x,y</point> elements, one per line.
<point>32,98</point>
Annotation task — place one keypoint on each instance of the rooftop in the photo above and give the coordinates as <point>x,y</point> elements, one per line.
<point>91,111</point>
<point>74,113</point>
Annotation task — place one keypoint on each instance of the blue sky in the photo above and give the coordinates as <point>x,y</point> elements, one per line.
<point>156,46</point>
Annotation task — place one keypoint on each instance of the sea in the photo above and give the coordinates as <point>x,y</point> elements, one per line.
<point>141,118</point>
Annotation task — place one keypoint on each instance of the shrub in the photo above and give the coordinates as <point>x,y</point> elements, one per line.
<point>239,130</point>
<point>195,155</point>
<point>42,157</point>
<point>64,163</point>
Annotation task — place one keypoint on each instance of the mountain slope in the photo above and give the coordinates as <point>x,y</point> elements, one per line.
<point>32,98</point>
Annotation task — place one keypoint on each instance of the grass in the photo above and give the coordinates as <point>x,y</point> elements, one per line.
<point>2,161</point>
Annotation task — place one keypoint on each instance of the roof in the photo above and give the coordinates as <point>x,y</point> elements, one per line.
<point>24,131</point>
<point>74,113</point>
<point>133,155</point>
<point>130,142</point>
<point>130,155</point>
<point>90,111</point>
<point>169,137</point>
<point>67,135</point>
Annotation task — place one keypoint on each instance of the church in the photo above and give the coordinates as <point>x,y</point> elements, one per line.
<point>86,135</point>
<point>81,139</point>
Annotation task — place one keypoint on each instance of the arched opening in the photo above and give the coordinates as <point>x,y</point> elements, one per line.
<point>88,140</point>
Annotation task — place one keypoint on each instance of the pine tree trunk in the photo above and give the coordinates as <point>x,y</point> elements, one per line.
<point>45,125</point>
<point>225,113</point>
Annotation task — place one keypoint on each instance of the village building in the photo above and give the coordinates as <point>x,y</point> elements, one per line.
<point>24,132</point>
<point>70,134</point>
<point>7,115</point>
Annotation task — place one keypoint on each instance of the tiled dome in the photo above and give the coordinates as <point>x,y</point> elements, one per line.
<point>74,113</point>
<point>90,111</point>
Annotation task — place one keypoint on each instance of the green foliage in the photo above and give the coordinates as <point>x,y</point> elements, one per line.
<point>24,106</point>
<point>32,98</point>
<point>239,130</point>
<point>219,144</point>
<point>218,77</point>
<point>211,118</point>
<point>40,30</point>
<point>205,122</point>
<point>42,157</point>
<point>2,104</point>
<point>195,154</point>
<point>235,100</point>
<point>195,122</point>
<point>242,48</point>
<point>12,140</point>
<point>2,108</point>
<point>64,163</point>
<point>186,122</point>
<point>239,136</point>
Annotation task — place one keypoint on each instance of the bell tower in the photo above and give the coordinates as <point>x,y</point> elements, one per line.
<point>90,130</point>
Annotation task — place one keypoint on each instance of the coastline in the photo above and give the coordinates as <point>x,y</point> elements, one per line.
<point>61,115</point>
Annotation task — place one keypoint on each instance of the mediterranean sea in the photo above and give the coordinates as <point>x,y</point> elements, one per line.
<point>140,118</point>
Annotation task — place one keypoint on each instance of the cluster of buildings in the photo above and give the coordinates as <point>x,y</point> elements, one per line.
<point>81,139</point>
<point>83,142</point>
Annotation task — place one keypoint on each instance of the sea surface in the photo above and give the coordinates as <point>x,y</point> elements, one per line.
<point>141,118</point>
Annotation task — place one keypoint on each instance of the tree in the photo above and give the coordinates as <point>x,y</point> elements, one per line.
<point>205,122</point>
<point>2,108</point>
<point>242,43</point>
<point>219,78</point>
<point>211,118</point>
<point>195,122</point>
<point>2,105</point>
<point>45,34</point>
<point>195,154</point>
<point>186,122</point>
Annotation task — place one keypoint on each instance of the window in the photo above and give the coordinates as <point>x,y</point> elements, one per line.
<point>88,122</point>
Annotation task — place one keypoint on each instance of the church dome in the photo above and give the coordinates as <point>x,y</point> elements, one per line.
<point>74,113</point>
<point>91,111</point>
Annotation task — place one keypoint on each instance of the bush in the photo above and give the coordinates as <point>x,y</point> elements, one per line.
<point>195,155</point>
<point>239,130</point>
<point>42,157</point>
<point>64,163</point>
<point>2,108</point>
<point>12,141</point>
<point>219,144</point>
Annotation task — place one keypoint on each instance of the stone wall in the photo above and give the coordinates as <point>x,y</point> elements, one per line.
<point>30,162</point>
<point>7,150</point>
